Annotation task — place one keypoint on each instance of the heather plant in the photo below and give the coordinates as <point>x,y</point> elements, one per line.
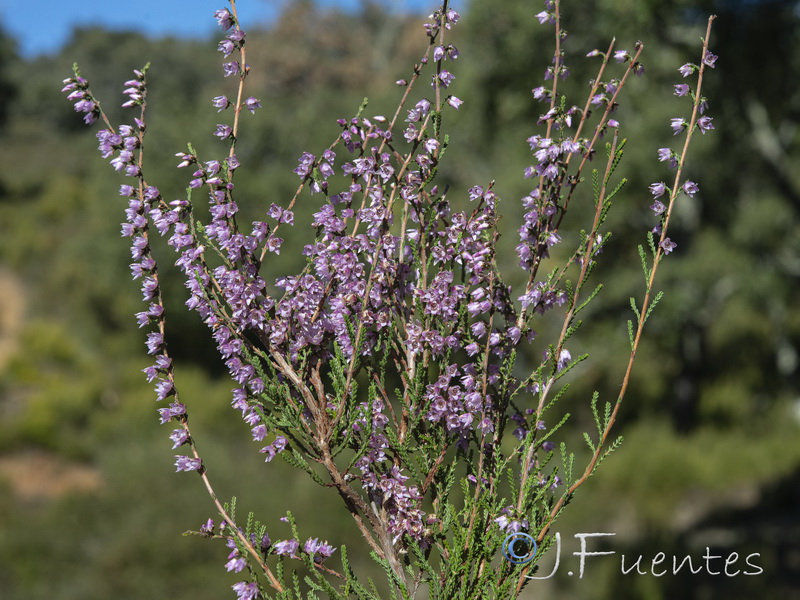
<point>398,369</point>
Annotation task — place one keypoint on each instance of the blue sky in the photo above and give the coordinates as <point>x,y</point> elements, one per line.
<point>43,26</point>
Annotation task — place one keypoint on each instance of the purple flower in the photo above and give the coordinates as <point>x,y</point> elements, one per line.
<point>710,58</point>
<point>274,448</point>
<point>446,77</point>
<point>687,69</point>
<point>226,47</point>
<point>134,93</point>
<point>442,52</point>
<point>252,104</point>
<point>246,591</point>
<point>287,547</point>
<point>223,132</point>
<point>259,432</point>
<point>658,207</point>
<point>73,83</point>
<point>563,360</point>
<point>212,167</point>
<point>236,564</point>
<point>430,145</point>
<point>230,68</point>
<point>176,409</point>
<point>657,189</point>
<point>681,89</point>
<point>455,102</point>
<point>179,437</point>
<point>320,550</point>
<point>164,389</point>
<point>502,522</point>
<point>306,163</point>
<point>224,18</point>
<point>149,289</point>
<point>275,212</point>
<point>266,543</point>
<point>85,106</point>
<point>207,527</point>
<point>540,93</point>
<point>666,154</point>
<point>690,188</point>
<point>508,523</point>
<point>186,159</point>
<point>184,463</point>
<point>420,111</point>
<point>550,171</point>
<point>704,124</point>
<point>621,56</point>
<point>678,125</point>
<point>221,102</point>
<point>667,245</point>
<point>154,342</point>
<point>121,161</point>
<point>548,446</point>
<point>451,17</point>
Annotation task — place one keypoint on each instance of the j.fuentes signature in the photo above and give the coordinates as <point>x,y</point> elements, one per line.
<point>521,548</point>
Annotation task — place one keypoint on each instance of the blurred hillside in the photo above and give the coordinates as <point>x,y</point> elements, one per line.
<point>712,420</point>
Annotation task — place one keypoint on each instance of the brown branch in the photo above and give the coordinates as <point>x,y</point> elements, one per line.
<point>646,305</point>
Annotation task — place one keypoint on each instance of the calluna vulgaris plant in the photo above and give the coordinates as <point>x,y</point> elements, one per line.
<point>388,369</point>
